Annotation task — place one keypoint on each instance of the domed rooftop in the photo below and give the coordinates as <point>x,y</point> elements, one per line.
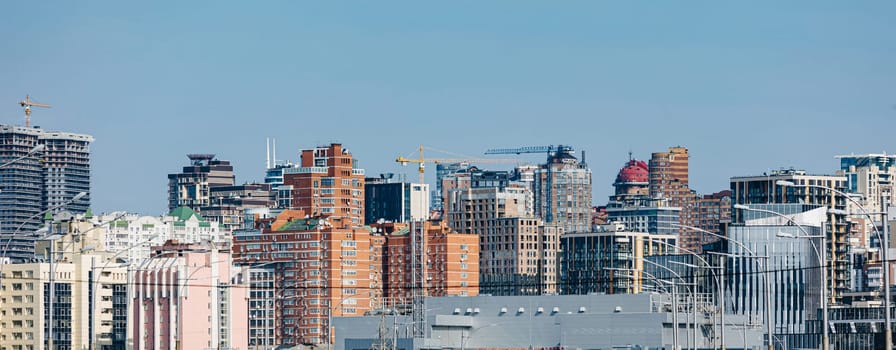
<point>634,171</point>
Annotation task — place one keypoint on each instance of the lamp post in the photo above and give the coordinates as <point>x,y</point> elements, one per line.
<point>35,149</point>
<point>768,306</point>
<point>52,281</point>
<point>692,289</point>
<point>715,278</point>
<point>885,263</point>
<point>821,262</point>
<point>694,276</point>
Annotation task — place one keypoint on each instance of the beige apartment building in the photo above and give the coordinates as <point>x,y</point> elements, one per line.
<point>89,295</point>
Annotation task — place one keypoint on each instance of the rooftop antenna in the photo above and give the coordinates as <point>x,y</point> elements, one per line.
<point>274,146</point>
<point>267,158</point>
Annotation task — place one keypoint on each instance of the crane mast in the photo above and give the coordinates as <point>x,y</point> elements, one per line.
<point>27,104</point>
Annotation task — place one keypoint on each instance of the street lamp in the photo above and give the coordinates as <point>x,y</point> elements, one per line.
<point>885,263</point>
<point>689,288</point>
<point>35,149</point>
<point>821,262</point>
<point>716,278</point>
<point>768,298</point>
<point>694,276</point>
<point>76,198</point>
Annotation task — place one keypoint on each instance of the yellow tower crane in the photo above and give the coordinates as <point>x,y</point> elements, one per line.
<point>27,103</point>
<point>421,168</point>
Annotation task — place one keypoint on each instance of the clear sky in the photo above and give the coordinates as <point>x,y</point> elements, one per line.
<point>746,87</point>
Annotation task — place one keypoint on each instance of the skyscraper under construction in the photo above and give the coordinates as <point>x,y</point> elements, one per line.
<point>40,172</point>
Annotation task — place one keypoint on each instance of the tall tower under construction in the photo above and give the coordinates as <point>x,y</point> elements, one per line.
<point>40,172</point>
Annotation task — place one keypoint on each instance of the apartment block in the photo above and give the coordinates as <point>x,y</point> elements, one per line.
<point>76,285</point>
<point>712,212</point>
<point>451,261</point>
<point>43,172</point>
<point>191,187</point>
<point>328,182</point>
<point>562,192</point>
<point>518,252</point>
<point>323,269</point>
<point>189,297</point>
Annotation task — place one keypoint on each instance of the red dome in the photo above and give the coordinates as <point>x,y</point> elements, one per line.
<point>634,171</point>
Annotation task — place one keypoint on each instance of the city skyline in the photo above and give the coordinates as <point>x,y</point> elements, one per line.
<point>152,83</point>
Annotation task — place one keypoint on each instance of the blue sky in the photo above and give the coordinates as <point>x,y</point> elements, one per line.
<point>746,87</point>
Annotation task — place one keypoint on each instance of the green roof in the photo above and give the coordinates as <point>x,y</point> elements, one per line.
<point>299,225</point>
<point>184,214</point>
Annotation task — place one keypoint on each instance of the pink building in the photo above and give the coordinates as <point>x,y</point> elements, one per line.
<point>189,297</point>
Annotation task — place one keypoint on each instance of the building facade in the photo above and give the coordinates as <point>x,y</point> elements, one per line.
<point>395,201</point>
<point>88,299</point>
<point>322,269</point>
<point>190,297</point>
<point>328,182</point>
<point>37,180</point>
<point>609,260</point>
<point>757,190</point>
<point>562,192</point>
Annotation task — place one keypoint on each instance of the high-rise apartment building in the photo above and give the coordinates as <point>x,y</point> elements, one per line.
<point>192,187</point>
<point>562,192</point>
<point>41,171</point>
<point>323,269</point>
<point>451,268</point>
<point>669,172</point>
<point>189,297</point>
<point>764,189</point>
<point>518,252</point>
<point>871,176</point>
<point>712,212</point>
<point>328,182</point>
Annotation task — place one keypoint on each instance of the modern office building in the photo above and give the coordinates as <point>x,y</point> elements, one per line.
<point>87,304</point>
<point>795,279</point>
<point>764,189</point>
<point>328,182</point>
<point>191,187</point>
<point>41,171</point>
<point>388,200</point>
<point>608,260</point>
<point>190,297</point>
<point>562,191</point>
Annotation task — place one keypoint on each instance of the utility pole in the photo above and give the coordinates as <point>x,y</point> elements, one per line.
<point>888,336</point>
